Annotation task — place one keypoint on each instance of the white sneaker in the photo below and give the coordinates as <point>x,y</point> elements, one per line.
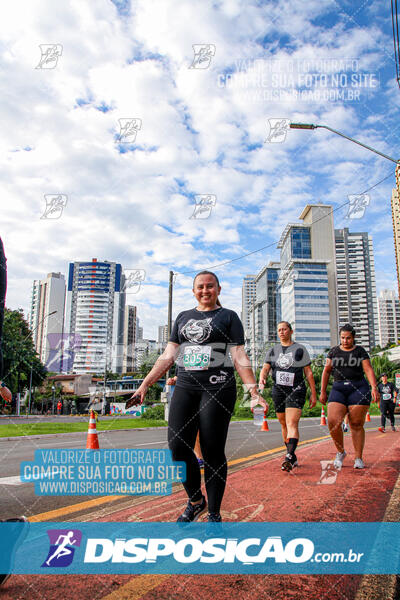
<point>359,463</point>
<point>338,462</point>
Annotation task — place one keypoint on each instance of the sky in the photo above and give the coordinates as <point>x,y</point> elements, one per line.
<point>155,134</point>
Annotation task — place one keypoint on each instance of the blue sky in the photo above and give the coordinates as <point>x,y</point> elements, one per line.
<point>130,193</point>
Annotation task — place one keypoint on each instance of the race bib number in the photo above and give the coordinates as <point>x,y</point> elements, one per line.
<point>284,378</point>
<point>196,358</point>
<point>386,396</point>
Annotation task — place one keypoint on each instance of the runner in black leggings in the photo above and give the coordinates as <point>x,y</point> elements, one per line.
<point>350,393</point>
<point>210,343</point>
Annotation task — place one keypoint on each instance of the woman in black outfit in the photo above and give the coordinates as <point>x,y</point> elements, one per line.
<point>350,393</point>
<point>208,343</point>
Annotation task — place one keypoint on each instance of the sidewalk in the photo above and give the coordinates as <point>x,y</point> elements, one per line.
<point>261,492</point>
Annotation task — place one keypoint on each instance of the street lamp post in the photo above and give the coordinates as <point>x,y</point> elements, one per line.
<point>53,389</point>
<point>311,126</point>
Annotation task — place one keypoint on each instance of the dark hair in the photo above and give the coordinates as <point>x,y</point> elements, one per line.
<point>218,303</point>
<point>384,375</point>
<point>348,328</point>
<point>287,324</point>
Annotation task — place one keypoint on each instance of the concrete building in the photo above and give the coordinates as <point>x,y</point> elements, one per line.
<point>266,313</point>
<point>248,297</point>
<point>388,318</point>
<point>95,312</point>
<point>356,285</point>
<point>396,224</point>
<point>307,280</point>
<point>143,348</point>
<point>48,296</point>
<point>129,339</point>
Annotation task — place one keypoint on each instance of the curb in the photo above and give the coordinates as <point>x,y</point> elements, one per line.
<point>39,436</point>
<point>383,587</point>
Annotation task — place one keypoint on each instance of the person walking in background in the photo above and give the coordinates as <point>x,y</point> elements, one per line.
<point>350,393</point>
<point>388,395</point>
<point>288,360</point>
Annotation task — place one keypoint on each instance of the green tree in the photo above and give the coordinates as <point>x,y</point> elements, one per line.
<point>19,353</point>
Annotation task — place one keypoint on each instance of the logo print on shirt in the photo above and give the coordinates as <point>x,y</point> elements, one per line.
<point>197,331</point>
<point>285,361</point>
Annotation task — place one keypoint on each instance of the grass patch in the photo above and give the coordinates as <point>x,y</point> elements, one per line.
<point>16,429</point>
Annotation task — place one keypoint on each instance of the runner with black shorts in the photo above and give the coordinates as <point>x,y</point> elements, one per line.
<point>208,343</point>
<point>350,393</point>
<point>288,361</point>
<point>388,394</point>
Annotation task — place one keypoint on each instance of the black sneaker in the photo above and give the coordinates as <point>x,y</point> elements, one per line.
<point>18,538</point>
<point>214,517</point>
<point>290,462</point>
<point>192,511</point>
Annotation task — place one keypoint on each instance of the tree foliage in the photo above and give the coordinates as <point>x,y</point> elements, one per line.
<point>19,353</point>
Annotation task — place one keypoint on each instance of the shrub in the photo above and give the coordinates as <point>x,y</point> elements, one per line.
<point>154,413</point>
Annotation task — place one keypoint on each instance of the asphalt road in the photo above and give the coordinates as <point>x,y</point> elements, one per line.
<point>244,440</point>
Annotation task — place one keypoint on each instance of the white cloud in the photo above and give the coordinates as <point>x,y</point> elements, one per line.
<point>200,134</point>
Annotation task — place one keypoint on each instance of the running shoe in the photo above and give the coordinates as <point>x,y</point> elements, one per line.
<point>214,526</point>
<point>382,429</point>
<point>290,462</point>
<point>20,535</point>
<point>345,427</point>
<point>214,517</point>
<point>338,462</point>
<point>394,428</point>
<point>359,463</point>
<point>192,511</point>
<point>201,462</point>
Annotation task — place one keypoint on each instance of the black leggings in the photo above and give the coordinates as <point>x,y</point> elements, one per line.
<point>3,286</point>
<point>208,412</point>
<point>387,410</point>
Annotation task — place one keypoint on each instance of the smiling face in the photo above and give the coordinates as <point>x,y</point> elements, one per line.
<point>206,291</point>
<point>384,379</point>
<point>284,332</point>
<point>346,340</point>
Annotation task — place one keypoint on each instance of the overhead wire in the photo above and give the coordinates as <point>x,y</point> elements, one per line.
<point>270,245</point>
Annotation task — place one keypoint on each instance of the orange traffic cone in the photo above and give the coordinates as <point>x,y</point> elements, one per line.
<point>264,426</point>
<point>323,419</point>
<point>92,439</point>
<point>368,417</point>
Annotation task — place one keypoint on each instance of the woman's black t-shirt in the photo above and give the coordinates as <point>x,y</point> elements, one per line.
<point>205,338</point>
<point>347,364</point>
<point>287,364</point>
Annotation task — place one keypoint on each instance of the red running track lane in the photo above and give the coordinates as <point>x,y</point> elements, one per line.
<point>254,493</point>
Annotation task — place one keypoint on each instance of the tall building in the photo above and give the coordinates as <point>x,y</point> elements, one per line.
<point>307,280</point>
<point>48,295</point>
<point>388,318</point>
<point>356,285</point>
<point>248,297</point>
<point>396,224</point>
<point>129,338</point>
<point>267,309</point>
<point>143,348</point>
<point>163,334</point>
<point>95,311</point>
